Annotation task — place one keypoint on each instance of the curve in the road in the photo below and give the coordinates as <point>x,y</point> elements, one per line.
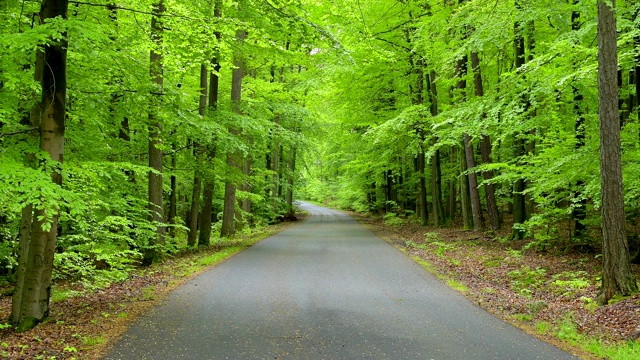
<point>326,288</point>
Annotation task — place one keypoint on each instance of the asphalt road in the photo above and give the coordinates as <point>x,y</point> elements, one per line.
<point>326,288</point>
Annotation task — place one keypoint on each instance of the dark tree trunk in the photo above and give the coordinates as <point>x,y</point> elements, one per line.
<point>197,180</point>
<point>519,201</point>
<point>204,238</point>
<point>485,152</point>
<point>155,136</point>
<point>422,189</point>
<point>193,219</point>
<point>453,186</point>
<point>173,198</point>
<point>465,196</point>
<point>291,211</point>
<point>579,212</point>
<point>37,244</point>
<point>207,213</point>
<point>436,174</point>
<point>617,277</point>
<point>275,168</point>
<point>474,196</point>
<point>233,159</point>
<point>436,190</point>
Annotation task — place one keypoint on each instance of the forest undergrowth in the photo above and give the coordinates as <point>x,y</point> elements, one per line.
<point>550,294</point>
<point>85,324</point>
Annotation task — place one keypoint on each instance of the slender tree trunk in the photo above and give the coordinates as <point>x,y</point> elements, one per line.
<point>436,174</point>
<point>465,196</point>
<point>193,219</point>
<point>436,190</point>
<point>417,99</point>
<point>291,211</point>
<point>207,212</point>
<point>275,169</point>
<point>422,189</point>
<point>579,212</point>
<point>173,198</point>
<point>485,151</point>
<point>39,227</point>
<point>519,201</point>
<point>207,207</point>
<point>155,136</point>
<point>453,186</point>
<point>246,169</point>
<point>474,195</point>
<point>617,277</point>
<point>233,161</point>
<point>197,181</point>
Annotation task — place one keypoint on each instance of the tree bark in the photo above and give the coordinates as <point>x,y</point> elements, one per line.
<point>485,151</point>
<point>453,186</point>
<point>519,201</point>
<point>173,198</point>
<point>617,277</point>
<point>291,211</point>
<point>39,227</point>
<point>197,180</point>
<point>468,155</point>
<point>155,136</point>
<point>436,190</point>
<point>233,161</point>
<point>465,196</point>
<point>204,238</point>
<point>579,212</point>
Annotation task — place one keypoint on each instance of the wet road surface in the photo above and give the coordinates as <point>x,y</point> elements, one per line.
<point>326,288</point>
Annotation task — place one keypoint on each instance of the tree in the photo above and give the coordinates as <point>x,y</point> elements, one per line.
<point>617,278</point>
<point>39,226</point>
<point>233,161</point>
<point>156,209</point>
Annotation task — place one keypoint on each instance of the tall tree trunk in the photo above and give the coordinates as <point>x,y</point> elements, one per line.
<point>453,187</point>
<point>579,212</point>
<point>197,180</point>
<point>436,190</point>
<point>246,169</point>
<point>436,174</point>
<point>291,211</point>
<point>155,136</point>
<point>465,196</point>
<point>173,198</point>
<point>485,151</point>
<point>519,201</point>
<point>617,277</point>
<point>422,189</point>
<point>39,227</point>
<point>275,167</point>
<point>468,155</point>
<point>207,207</point>
<point>417,99</point>
<point>193,219</point>
<point>233,161</point>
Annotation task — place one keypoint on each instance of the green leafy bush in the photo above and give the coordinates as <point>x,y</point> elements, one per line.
<point>392,219</point>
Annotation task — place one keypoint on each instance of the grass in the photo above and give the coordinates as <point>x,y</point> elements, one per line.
<point>94,340</point>
<point>457,286</point>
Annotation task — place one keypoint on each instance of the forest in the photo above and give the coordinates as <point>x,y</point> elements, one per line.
<point>131,130</point>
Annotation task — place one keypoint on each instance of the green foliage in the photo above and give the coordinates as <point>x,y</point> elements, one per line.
<point>392,219</point>
<point>570,283</point>
<point>526,280</point>
<point>442,247</point>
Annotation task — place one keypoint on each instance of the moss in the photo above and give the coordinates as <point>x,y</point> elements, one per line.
<point>26,324</point>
